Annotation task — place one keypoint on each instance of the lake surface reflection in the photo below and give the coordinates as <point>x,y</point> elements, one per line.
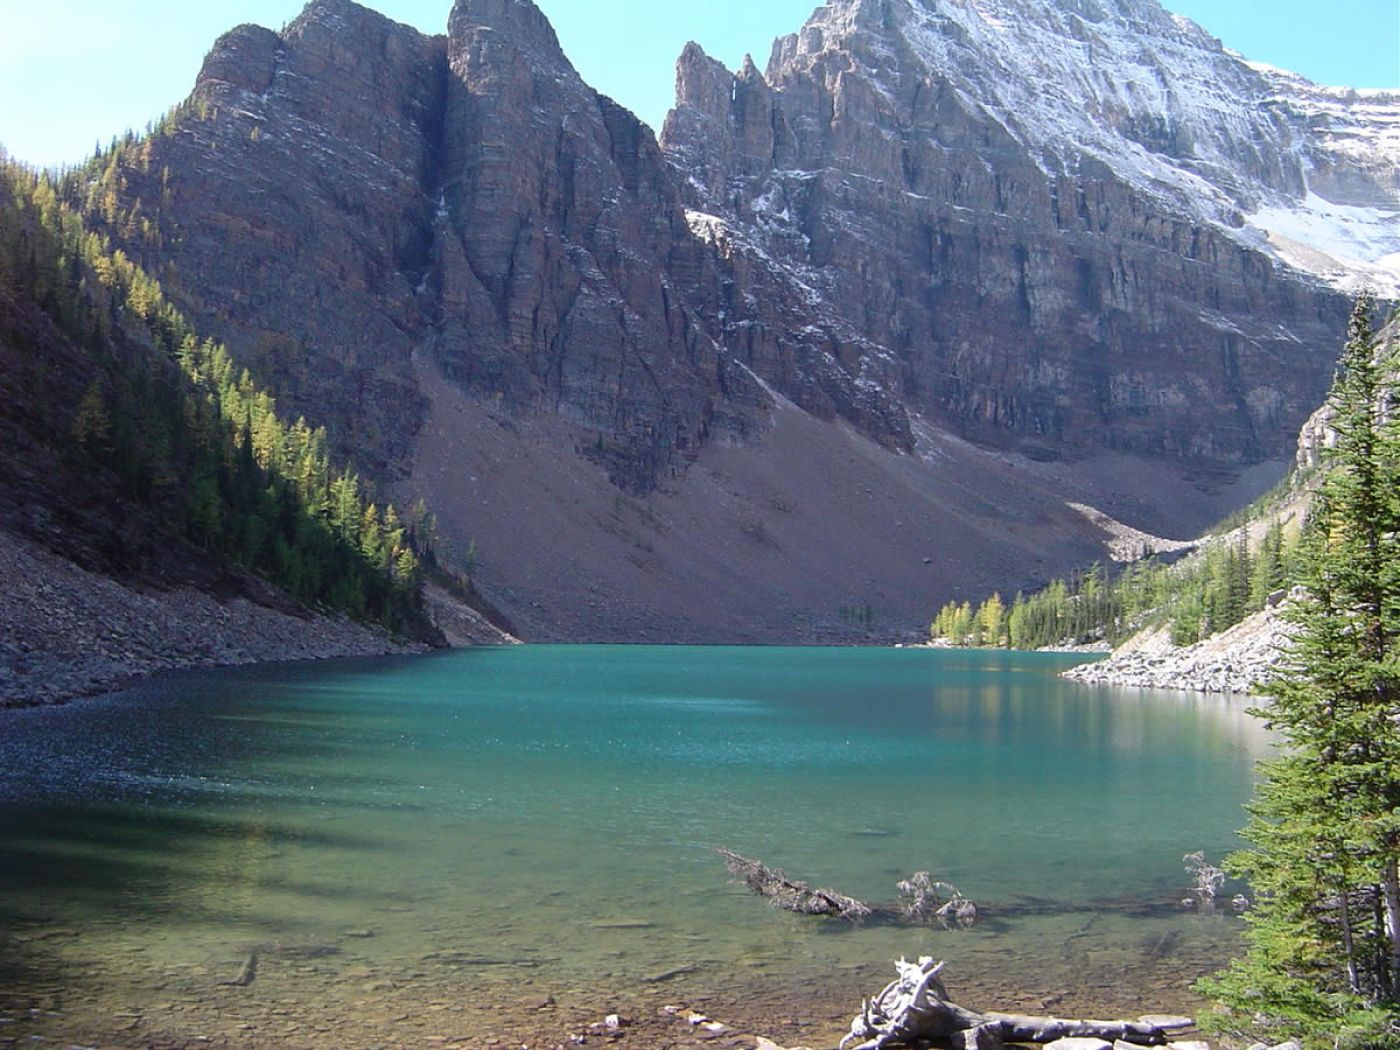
<point>495,826</point>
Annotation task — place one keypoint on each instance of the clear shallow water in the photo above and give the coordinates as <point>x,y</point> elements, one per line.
<point>448,818</point>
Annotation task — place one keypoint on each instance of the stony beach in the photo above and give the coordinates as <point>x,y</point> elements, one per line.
<point>1234,661</point>
<point>323,996</point>
<point>67,633</point>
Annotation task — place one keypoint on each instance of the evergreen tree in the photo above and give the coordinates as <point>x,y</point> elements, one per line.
<point>1269,572</point>
<point>1324,856</point>
<point>961,624</point>
<point>92,426</point>
<point>991,620</point>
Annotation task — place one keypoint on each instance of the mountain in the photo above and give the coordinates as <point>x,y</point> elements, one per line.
<point>1248,653</point>
<point>155,510</point>
<point>848,342</point>
<point>1067,219</point>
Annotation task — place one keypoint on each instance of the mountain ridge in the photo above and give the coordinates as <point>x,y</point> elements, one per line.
<point>437,245</point>
<point>843,108</point>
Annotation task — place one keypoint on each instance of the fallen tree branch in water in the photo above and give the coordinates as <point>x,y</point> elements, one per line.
<point>247,971</point>
<point>914,1009</point>
<point>923,901</point>
<point>790,894</point>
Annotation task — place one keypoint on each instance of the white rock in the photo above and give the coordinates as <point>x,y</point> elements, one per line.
<point>1079,1042</point>
<point>1168,1021</point>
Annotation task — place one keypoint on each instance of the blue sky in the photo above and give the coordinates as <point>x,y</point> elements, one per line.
<point>73,72</point>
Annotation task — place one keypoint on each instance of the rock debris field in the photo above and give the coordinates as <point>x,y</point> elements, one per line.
<point>66,633</point>
<point>1234,661</point>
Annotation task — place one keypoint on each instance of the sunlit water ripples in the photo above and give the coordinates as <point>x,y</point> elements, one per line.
<point>560,805</point>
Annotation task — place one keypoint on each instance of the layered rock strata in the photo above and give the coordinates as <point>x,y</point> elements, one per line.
<point>1027,210</point>
<point>437,245</point>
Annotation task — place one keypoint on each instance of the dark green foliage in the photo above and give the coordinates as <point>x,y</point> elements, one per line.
<point>1324,833</point>
<point>1269,572</point>
<point>184,431</point>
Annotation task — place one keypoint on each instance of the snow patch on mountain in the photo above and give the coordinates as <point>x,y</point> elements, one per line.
<point>1307,173</point>
<point>1352,247</point>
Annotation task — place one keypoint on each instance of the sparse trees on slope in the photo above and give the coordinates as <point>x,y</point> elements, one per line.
<point>187,434</point>
<point>991,621</point>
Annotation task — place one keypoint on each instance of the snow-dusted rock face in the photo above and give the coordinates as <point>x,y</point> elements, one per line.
<point>1346,226</point>
<point>349,191</point>
<point>927,222</point>
<point>1060,223</point>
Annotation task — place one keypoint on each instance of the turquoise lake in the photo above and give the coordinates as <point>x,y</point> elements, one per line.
<point>488,823</point>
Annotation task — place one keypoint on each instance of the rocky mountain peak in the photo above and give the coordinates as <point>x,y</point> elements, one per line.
<point>345,21</point>
<point>245,57</point>
<point>1271,160</point>
<point>1129,83</point>
<point>518,24</point>
<point>336,14</point>
<point>702,81</point>
<point>954,178</point>
<point>935,242</point>
<point>717,116</point>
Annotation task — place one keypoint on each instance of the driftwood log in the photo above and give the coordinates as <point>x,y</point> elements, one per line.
<point>914,1010</point>
<point>922,900</point>
<point>790,894</point>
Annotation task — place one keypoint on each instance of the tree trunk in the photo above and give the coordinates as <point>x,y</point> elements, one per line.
<point>915,1008</point>
<point>1349,943</point>
<point>1390,894</point>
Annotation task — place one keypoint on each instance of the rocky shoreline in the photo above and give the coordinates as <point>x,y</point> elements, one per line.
<point>67,633</point>
<point>1234,661</point>
<point>321,995</point>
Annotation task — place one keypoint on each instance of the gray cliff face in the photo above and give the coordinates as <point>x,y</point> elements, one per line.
<point>566,278</point>
<point>349,192</point>
<point>292,219</point>
<point>572,283</point>
<point>1029,288</point>
<point>720,390</point>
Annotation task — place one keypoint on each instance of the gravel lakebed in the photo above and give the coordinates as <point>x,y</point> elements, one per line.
<point>69,987</point>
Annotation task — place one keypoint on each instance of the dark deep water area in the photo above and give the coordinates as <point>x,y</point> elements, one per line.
<point>510,843</point>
